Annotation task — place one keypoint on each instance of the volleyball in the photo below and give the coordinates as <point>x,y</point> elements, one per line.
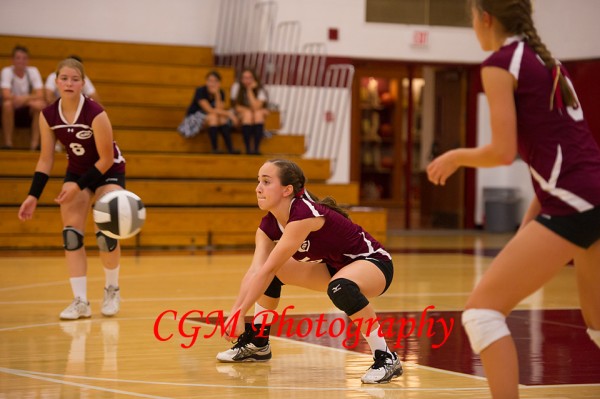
<point>119,214</point>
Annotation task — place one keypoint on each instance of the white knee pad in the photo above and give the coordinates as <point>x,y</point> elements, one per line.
<point>595,336</point>
<point>484,327</point>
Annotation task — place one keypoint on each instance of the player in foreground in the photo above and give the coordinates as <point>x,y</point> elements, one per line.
<point>95,167</point>
<point>534,109</point>
<point>311,244</point>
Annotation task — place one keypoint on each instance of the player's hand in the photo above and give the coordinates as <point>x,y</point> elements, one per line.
<point>67,193</point>
<point>27,208</point>
<point>232,334</point>
<point>441,168</point>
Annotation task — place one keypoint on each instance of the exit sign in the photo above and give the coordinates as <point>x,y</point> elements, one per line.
<point>420,38</point>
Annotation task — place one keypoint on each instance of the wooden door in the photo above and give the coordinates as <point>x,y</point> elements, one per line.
<point>377,158</point>
<point>444,206</point>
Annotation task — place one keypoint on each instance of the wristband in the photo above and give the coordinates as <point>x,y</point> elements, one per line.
<point>89,177</point>
<point>37,185</point>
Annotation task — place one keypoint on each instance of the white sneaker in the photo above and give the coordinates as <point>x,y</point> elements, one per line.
<point>386,366</point>
<point>112,301</point>
<point>76,310</point>
<point>245,351</point>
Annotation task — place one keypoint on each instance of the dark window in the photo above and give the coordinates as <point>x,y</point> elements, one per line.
<point>419,12</point>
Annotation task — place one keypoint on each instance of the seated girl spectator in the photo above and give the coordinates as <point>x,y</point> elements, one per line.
<point>249,99</point>
<point>207,108</point>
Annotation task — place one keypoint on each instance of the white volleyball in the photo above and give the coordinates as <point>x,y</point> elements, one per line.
<point>119,214</point>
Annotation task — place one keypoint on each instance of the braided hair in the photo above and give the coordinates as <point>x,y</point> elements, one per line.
<point>291,174</point>
<point>516,18</point>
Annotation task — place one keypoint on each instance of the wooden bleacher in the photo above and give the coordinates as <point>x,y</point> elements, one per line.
<point>194,199</point>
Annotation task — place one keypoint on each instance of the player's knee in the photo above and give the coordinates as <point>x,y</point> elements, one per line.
<point>246,117</point>
<point>106,243</point>
<point>484,327</point>
<point>259,116</point>
<point>72,238</point>
<point>274,289</point>
<point>595,336</point>
<point>211,119</point>
<point>346,296</point>
<point>7,105</point>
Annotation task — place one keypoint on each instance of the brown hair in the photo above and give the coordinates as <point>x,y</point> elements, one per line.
<point>20,48</point>
<point>291,174</point>
<point>241,98</point>
<point>70,63</point>
<point>515,17</point>
<point>215,74</point>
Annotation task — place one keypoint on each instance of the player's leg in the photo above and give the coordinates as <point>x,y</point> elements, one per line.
<point>212,122</point>
<point>110,256</point>
<point>253,344</point>
<point>258,129</point>
<point>587,266</point>
<point>245,115</point>
<point>225,129</point>
<point>73,214</point>
<point>349,289</point>
<point>35,107</point>
<point>8,122</point>
<point>528,261</point>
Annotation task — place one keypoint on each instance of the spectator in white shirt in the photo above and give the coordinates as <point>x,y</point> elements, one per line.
<point>22,97</point>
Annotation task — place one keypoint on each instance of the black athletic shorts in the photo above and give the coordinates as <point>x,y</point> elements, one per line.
<point>386,267</point>
<point>582,229</point>
<point>116,178</point>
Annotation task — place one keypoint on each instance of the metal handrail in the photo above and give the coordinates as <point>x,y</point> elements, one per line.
<point>313,98</point>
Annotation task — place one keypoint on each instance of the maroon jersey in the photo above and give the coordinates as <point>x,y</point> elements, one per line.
<point>338,243</point>
<point>563,157</point>
<point>78,137</point>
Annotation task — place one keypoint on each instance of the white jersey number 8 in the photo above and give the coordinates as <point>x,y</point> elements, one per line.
<point>77,149</point>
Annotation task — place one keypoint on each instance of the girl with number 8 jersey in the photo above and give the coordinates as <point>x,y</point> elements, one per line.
<point>95,167</point>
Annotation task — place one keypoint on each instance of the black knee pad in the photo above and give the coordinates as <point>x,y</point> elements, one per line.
<point>106,243</point>
<point>274,289</point>
<point>72,238</point>
<point>346,296</point>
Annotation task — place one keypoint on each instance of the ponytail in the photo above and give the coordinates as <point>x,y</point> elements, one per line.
<point>329,202</point>
<point>291,174</point>
<point>515,17</point>
<point>562,94</point>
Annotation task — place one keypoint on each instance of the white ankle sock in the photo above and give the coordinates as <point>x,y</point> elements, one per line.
<point>259,319</point>
<point>112,276</point>
<point>595,336</point>
<point>79,287</point>
<point>376,342</point>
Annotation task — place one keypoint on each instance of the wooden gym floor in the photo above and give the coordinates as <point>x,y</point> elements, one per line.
<point>120,357</point>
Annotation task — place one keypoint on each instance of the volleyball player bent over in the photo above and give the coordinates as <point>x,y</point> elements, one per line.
<point>312,244</point>
<point>95,167</point>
